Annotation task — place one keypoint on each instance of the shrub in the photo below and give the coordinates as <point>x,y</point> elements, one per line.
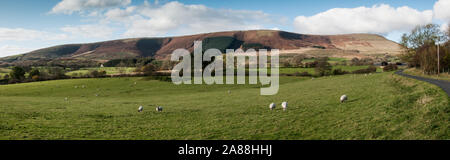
<point>297,60</point>
<point>323,67</point>
<point>304,74</point>
<point>148,69</point>
<point>370,69</point>
<point>17,74</point>
<point>34,72</point>
<point>97,74</point>
<point>390,67</point>
<point>339,72</point>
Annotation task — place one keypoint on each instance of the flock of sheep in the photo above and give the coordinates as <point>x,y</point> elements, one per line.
<point>272,106</point>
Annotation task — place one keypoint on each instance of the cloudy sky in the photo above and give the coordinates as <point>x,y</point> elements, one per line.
<point>27,25</point>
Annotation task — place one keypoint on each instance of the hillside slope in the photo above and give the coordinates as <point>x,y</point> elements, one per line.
<point>161,48</point>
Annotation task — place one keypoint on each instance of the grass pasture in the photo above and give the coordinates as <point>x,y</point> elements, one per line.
<point>109,70</point>
<point>4,71</point>
<point>380,106</point>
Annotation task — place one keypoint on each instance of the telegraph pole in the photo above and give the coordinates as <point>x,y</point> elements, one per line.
<point>438,59</point>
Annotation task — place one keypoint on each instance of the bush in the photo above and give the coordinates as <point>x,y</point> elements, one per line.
<point>17,74</point>
<point>338,72</point>
<point>370,69</point>
<point>390,67</point>
<point>303,74</point>
<point>97,74</point>
<point>323,67</point>
<point>148,69</point>
<point>34,72</point>
<point>297,60</point>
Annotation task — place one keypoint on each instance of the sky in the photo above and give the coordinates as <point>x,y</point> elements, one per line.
<point>26,25</point>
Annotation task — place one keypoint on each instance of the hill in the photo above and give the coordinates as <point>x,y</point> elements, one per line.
<point>351,45</point>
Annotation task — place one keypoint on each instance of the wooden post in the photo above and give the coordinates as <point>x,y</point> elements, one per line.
<point>438,60</point>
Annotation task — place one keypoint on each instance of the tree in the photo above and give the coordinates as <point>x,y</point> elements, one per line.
<point>323,67</point>
<point>421,49</point>
<point>422,35</point>
<point>34,72</point>
<point>297,60</point>
<point>17,73</point>
<point>148,69</point>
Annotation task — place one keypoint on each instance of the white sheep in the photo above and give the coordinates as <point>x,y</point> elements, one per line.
<point>344,98</point>
<point>229,92</point>
<point>284,105</point>
<point>159,109</point>
<point>66,99</point>
<point>140,109</point>
<point>272,106</point>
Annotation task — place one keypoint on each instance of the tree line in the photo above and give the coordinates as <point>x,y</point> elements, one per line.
<point>421,48</point>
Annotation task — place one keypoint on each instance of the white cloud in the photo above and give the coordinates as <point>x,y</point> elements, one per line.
<point>70,6</point>
<point>178,18</point>
<point>380,19</point>
<point>9,50</point>
<point>20,34</point>
<point>442,10</point>
<point>89,31</point>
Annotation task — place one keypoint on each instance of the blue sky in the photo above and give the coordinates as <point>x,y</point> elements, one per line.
<point>29,24</point>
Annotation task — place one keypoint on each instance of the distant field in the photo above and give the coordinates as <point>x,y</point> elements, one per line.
<point>4,71</point>
<point>109,70</point>
<point>416,72</point>
<point>312,70</point>
<point>380,106</point>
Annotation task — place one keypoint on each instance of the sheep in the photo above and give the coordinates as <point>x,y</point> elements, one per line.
<point>344,98</point>
<point>159,109</point>
<point>272,106</point>
<point>140,109</point>
<point>229,92</point>
<point>284,105</point>
<point>66,99</point>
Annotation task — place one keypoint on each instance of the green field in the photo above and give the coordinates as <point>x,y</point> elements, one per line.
<point>109,71</point>
<point>312,70</point>
<point>4,71</point>
<point>380,106</point>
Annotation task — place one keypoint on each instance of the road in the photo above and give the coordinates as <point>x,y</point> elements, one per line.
<point>445,85</point>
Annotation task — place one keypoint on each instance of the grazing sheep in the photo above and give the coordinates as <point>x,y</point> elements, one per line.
<point>272,106</point>
<point>284,105</point>
<point>344,98</point>
<point>229,92</point>
<point>76,87</point>
<point>83,86</point>
<point>66,99</point>
<point>135,83</point>
<point>159,109</point>
<point>140,109</point>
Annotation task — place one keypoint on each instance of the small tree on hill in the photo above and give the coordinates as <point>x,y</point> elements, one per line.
<point>148,69</point>
<point>34,74</point>
<point>17,73</point>
<point>297,60</point>
<point>323,67</point>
